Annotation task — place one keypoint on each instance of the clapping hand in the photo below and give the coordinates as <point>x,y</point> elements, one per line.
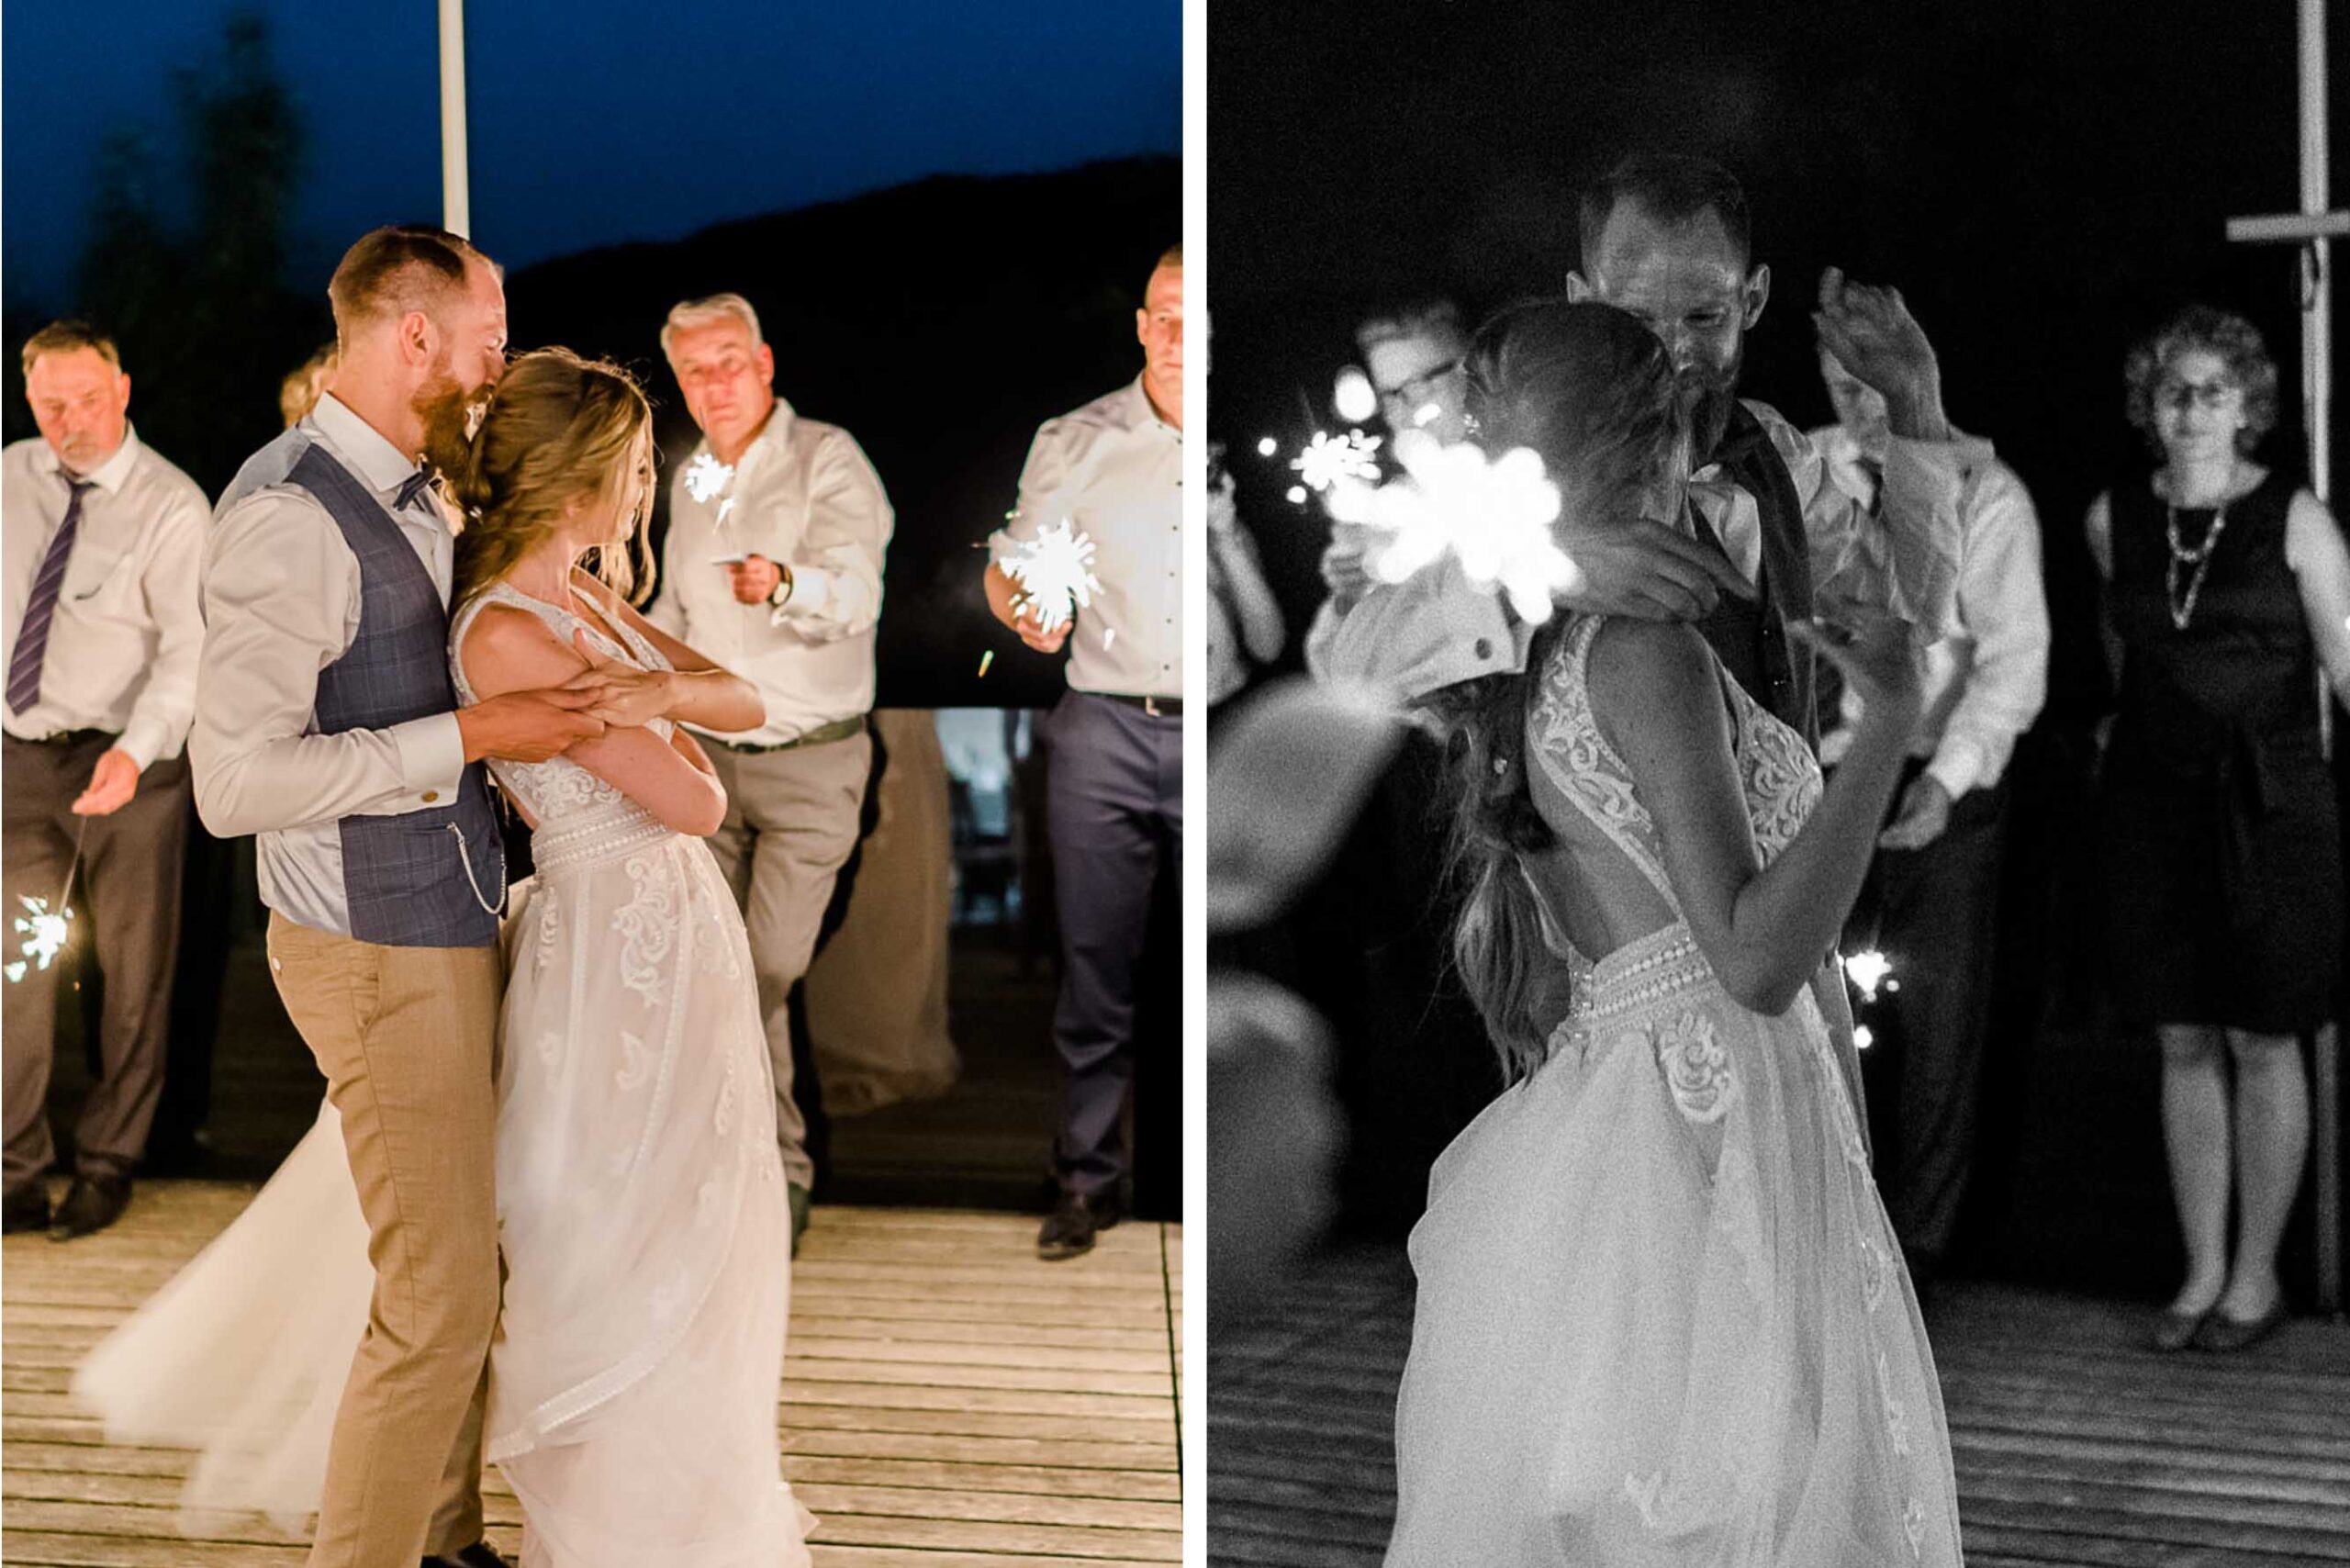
<point>1870,332</point>
<point>619,694</point>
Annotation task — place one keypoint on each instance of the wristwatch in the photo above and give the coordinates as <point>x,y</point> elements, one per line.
<point>781,595</point>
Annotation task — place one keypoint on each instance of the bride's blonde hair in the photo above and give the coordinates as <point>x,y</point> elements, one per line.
<point>558,428</point>
<point>1590,389</point>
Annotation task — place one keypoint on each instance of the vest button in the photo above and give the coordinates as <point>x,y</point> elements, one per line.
<point>430,796</point>
<point>1485,648</point>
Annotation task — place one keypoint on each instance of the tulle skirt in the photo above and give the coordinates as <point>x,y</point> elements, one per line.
<point>1662,1317</point>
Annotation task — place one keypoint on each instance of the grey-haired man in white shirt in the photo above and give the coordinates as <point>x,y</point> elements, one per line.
<point>102,629</point>
<point>778,528</point>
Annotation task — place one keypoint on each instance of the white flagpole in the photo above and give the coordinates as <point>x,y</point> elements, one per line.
<point>457,205</point>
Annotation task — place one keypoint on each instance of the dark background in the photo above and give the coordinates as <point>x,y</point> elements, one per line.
<point>2043,181</point>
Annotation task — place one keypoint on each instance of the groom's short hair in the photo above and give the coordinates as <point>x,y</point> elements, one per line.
<point>1672,187</point>
<point>398,268</point>
<point>688,314</point>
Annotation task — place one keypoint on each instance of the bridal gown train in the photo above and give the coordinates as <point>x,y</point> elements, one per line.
<point>641,1214</point>
<point>1661,1315</point>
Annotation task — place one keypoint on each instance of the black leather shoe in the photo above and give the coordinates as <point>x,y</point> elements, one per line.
<point>91,1205</point>
<point>26,1208</point>
<point>480,1555</point>
<point>2223,1333</point>
<point>1070,1229</point>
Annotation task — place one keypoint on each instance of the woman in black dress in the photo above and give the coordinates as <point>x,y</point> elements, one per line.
<point>2227,592</point>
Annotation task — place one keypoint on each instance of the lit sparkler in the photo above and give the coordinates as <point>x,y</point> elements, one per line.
<point>706,477</point>
<point>45,929</point>
<point>1493,516</point>
<point>1055,571</point>
<point>1869,970</point>
<point>1327,459</point>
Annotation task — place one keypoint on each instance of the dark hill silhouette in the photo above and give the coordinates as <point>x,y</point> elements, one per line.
<point>939,322</point>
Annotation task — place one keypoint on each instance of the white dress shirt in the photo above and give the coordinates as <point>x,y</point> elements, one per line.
<point>124,638</point>
<point>1985,685</point>
<point>1436,629</point>
<point>282,603</point>
<point>1113,471</point>
<point>803,495</point>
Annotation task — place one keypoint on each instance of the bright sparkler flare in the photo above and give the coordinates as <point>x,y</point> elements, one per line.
<point>1327,459</point>
<point>1862,1038</point>
<point>1055,571</point>
<point>706,475</point>
<point>1494,516</point>
<point>44,935</point>
<point>1296,495</point>
<point>1868,969</point>
<point>1268,446</point>
<point>1354,396</point>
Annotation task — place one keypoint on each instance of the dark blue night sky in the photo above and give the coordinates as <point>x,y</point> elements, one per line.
<point>592,122</point>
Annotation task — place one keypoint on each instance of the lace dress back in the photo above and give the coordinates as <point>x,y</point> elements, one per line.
<point>1662,1317</point>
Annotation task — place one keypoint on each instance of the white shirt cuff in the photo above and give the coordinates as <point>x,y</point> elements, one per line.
<point>140,741</point>
<point>433,758</point>
<point>1956,767</point>
<point>812,590</point>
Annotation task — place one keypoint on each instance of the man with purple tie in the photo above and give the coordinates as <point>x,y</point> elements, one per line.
<point>104,541</point>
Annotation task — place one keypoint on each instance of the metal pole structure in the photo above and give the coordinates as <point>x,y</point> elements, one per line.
<point>2317,396</point>
<point>456,203</point>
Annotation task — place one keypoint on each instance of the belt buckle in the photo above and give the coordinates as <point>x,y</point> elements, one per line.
<point>1150,706</point>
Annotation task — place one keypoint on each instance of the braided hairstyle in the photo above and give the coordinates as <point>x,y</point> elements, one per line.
<point>1589,390</point>
<point>558,428</point>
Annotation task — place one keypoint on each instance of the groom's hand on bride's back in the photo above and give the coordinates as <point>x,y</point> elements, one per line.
<point>527,726</point>
<point>1645,570</point>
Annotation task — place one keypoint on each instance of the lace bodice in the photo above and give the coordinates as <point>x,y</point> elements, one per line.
<point>562,797</point>
<point>1781,778</point>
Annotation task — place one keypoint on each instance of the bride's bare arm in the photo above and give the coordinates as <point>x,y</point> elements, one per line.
<point>693,692</point>
<point>1655,693</point>
<point>512,649</point>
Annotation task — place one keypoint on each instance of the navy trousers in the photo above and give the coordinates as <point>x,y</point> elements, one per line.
<point>1114,810</point>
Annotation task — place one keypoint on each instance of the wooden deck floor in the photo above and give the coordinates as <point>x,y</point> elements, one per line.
<point>948,1401</point>
<point>2073,1446</point>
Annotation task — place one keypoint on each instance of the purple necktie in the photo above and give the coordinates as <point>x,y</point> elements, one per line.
<point>32,637</point>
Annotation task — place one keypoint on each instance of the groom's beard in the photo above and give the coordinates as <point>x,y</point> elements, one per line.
<point>1707,396</point>
<point>446,411</point>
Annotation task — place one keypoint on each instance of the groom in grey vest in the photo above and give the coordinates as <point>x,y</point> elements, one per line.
<point>325,726</point>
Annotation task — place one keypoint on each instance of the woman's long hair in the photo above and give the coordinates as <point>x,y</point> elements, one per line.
<point>1590,390</point>
<point>558,428</point>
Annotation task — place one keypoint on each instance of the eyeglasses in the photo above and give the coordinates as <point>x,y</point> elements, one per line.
<point>1417,390</point>
<point>2209,395</point>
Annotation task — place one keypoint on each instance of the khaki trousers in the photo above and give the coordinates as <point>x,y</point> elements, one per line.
<point>791,823</point>
<point>406,1037</point>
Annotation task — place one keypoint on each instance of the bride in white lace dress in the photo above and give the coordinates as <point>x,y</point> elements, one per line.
<point>642,1210</point>
<point>1662,1317</point>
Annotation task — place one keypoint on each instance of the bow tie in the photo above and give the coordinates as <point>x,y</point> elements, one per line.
<point>412,486</point>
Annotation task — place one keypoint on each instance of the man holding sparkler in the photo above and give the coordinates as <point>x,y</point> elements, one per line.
<point>103,543</point>
<point>1092,558</point>
<point>777,530</point>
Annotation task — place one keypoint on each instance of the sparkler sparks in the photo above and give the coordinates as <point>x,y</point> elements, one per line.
<point>1329,459</point>
<point>1494,516</point>
<point>1055,571</point>
<point>1869,970</point>
<point>44,936</point>
<point>1354,396</point>
<point>1268,446</point>
<point>986,659</point>
<point>706,477</point>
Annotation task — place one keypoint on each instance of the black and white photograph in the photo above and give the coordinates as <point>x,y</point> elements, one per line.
<point>1777,645</point>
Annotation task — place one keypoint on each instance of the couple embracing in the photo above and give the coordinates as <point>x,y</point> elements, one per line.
<point>574,1217</point>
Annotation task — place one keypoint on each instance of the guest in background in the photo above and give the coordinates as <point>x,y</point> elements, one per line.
<point>1935,881</point>
<point>2227,589</point>
<point>1244,619</point>
<point>776,574</point>
<point>103,541</point>
<point>1114,470</point>
<point>298,394</point>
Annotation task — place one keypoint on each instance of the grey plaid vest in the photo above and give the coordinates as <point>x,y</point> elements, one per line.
<point>405,877</point>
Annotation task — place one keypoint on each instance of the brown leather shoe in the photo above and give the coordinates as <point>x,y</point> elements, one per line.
<point>91,1205</point>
